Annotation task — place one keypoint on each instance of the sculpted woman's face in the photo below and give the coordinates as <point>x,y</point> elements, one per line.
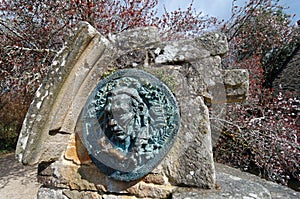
<point>121,114</point>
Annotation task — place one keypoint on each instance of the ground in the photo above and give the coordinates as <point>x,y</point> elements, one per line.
<point>17,181</point>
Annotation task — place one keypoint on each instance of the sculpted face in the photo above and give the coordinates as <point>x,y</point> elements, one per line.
<point>120,115</point>
<point>129,123</point>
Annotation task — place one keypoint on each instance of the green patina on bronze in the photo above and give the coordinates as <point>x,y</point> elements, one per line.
<point>129,123</point>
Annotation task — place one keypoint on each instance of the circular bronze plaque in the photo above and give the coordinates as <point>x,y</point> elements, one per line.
<point>129,123</point>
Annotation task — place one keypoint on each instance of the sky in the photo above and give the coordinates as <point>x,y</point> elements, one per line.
<point>222,8</point>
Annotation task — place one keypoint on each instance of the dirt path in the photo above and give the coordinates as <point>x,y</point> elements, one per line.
<point>17,181</point>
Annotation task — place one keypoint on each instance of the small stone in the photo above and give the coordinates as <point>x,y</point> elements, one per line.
<point>155,179</point>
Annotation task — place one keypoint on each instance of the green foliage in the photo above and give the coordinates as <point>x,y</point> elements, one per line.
<point>12,111</point>
<point>274,61</point>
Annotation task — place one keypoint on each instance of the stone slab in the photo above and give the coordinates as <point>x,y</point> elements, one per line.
<point>191,69</point>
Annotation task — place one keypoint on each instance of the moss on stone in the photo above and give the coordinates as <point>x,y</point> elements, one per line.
<point>168,79</point>
<point>108,72</point>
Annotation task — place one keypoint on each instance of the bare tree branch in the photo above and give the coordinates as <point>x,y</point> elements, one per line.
<point>244,20</point>
<point>30,49</point>
<point>13,30</point>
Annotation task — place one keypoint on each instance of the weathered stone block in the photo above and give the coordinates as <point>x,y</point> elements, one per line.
<point>35,141</point>
<point>137,38</point>
<point>52,131</point>
<point>236,82</point>
<point>48,193</point>
<point>229,187</point>
<point>190,161</point>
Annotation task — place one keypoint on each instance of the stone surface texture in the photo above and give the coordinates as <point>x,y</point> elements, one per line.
<point>190,68</point>
<point>13,174</point>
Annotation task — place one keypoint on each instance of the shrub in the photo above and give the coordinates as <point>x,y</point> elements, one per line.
<point>262,135</point>
<point>12,111</point>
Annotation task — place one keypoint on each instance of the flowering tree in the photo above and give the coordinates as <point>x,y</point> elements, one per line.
<point>261,135</point>
<point>31,33</point>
